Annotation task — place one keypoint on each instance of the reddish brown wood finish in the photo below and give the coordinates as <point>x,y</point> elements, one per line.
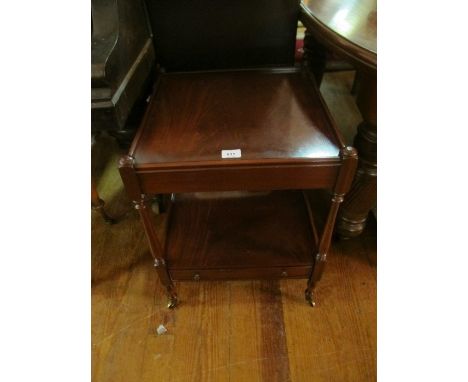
<point>266,114</point>
<point>288,141</point>
<point>363,194</point>
<point>143,206</point>
<point>251,235</point>
<point>260,176</point>
<point>343,183</point>
<point>278,120</point>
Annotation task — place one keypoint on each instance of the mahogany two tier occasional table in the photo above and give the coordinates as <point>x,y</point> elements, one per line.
<point>263,228</point>
<point>233,133</point>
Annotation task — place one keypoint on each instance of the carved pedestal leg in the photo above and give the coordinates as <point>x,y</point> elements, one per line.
<point>343,183</point>
<point>362,197</point>
<point>363,194</point>
<point>98,204</point>
<point>144,207</point>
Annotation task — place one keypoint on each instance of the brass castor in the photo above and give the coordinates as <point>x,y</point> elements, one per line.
<point>309,296</point>
<point>173,302</point>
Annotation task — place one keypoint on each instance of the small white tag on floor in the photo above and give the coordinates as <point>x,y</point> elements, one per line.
<point>231,153</point>
<point>161,330</point>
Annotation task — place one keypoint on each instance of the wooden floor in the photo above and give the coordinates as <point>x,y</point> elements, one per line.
<point>228,331</point>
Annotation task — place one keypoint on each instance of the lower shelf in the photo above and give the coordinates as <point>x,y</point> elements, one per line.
<point>240,236</point>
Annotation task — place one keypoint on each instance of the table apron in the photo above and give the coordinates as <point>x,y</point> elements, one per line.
<point>238,178</point>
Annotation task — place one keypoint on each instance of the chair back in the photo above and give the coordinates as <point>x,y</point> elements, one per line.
<point>223,34</point>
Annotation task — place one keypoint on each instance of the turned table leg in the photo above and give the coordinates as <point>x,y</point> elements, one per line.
<point>324,246</point>
<point>363,194</point>
<point>98,204</point>
<point>345,177</point>
<point>143,205</point>
<point>144,208</point>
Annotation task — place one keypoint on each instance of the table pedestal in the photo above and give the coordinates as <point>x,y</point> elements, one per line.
<point>363,194</point>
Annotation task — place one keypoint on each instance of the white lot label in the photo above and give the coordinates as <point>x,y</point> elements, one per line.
<point>231,153</point>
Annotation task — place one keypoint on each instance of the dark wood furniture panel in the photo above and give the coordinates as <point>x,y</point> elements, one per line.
<point>222,34</point>
<point>122,60</point>
<point>240,231</point>
<point>230,178</point>
<point>266,113</point>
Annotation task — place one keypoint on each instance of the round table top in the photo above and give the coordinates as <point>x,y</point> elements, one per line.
<point>348,25</point>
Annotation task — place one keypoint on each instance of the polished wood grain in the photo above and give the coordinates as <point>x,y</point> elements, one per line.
<point>276,117</point>
<point>266,114</point>
<point>348,27</point>
<point>265,176</point>
<point>239,234</point>
<point>289,139</point>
